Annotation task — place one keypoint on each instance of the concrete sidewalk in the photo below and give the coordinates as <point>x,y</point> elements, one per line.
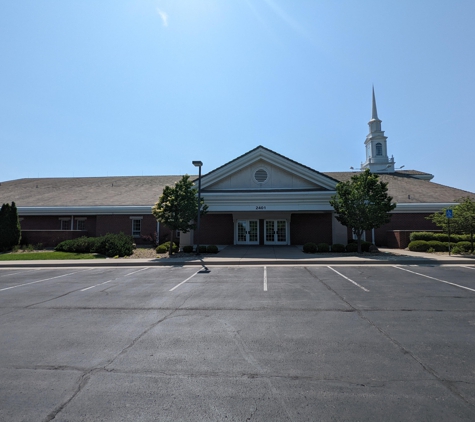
<point>262,255</point>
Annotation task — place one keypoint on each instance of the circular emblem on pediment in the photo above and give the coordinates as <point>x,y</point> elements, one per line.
<point>261,175</point>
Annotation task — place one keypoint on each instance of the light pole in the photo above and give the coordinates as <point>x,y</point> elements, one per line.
<point>198,164</point>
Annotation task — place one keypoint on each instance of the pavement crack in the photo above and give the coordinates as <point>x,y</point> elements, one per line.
<point>447,384</point>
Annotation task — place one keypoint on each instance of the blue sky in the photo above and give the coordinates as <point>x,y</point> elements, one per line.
<point>143,87</point>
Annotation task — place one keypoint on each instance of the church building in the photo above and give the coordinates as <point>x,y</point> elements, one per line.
<point>259,198</point>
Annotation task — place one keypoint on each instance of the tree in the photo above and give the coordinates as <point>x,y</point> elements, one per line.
<point>362,203</point>
<point>177,207</point>
<point>462,221</point>
<point>10,230</point>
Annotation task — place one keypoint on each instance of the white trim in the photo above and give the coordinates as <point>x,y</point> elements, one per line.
<point>139,217</point>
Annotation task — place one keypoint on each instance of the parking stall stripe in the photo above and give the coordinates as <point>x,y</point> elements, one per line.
<point>470,268</point>
<point>100,284</point>
<point>349,279</point>
<point>178,285</point>
<point>433,278</point>
<point>38,281</point>
<point>265,279</point>
<point>134,272</point>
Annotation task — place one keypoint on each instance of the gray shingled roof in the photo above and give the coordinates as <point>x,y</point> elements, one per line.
<point>86,191</point>
<point>405,188</point>
<point>145,190</point>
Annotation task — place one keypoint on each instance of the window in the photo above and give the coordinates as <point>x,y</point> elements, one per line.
<point>65,224</point>
<point>379,149</point>
<point>136,227</point>
<point>81,224</point>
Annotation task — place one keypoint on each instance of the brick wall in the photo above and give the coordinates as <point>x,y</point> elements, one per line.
<point>49,238</point>
<point>315,228</point>
<point>216,229</point>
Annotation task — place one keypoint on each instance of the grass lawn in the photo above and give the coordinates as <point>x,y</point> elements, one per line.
<point>31,256</point>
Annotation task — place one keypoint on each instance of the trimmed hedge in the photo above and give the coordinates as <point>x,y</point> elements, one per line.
<point>441,237</point>
<point>338,247</point>
<point>438,246</point>
<point>323,247</point>
<point>165,247</point>
<point>212,249</point>
<point>310,247</point>
<point>418,246</point>
<point>352,247</point>
<point>188,249</point>
<point>109,245</point>
<point>114,245</point>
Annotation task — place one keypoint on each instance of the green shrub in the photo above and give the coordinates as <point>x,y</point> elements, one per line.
<point>212,249</point>
<point>437,246</point>
<point>165,247</point>
<point>114,245</point>
<point>418,246</point>
<point>441,237</point>
<point>202,249</point>
<point>422,236</point>
<point>323,247</point>
<point>338,247</point>
<point>80,245</point>
<point>310,247</point>
<point>463,246</point>
<point>352,247</point>
<point>365,246</point>
<point>188,249</point>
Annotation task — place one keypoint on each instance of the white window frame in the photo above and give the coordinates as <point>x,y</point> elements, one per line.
<point>65,222</point>
<point>135,220</point>
<point>82,221</point>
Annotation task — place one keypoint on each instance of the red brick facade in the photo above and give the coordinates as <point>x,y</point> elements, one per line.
<point>315,228</point>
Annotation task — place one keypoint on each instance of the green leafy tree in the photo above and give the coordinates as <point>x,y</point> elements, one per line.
<point>177,207</point>
<point>10,230</point>
<point>362,203</point>
<point>462,221</point>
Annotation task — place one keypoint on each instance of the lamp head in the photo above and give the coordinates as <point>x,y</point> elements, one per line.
<point>197,163</point>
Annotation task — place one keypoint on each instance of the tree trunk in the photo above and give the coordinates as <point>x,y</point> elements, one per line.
<point>170,251</point>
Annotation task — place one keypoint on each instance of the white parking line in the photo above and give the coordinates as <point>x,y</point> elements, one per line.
<point>38,281</point>
<point>433,278</point>
<point>265,279</point>
<point>349,279</point>
<point>134,272</point>
<point>87,288</point>
<point>470,268</point>
<point>190,277</point>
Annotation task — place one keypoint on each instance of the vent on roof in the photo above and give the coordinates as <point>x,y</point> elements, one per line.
<point>260,175</point>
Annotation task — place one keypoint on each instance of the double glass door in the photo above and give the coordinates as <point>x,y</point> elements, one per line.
<point>275,232</point>
<point>248,232</point>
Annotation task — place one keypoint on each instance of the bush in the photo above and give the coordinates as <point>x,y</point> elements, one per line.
<point>114,245</point>
<point>437,246</point>
<point>418,246</point>
<point>310,247</point>
<point>165,247</point>
<point>338,247</point>
<point>188,249</point>
<point>365,246</point>
<point>457,250</point>
<point>202,249</point>
<point>463,246</point>
<point>323,247</point>
<point>352,247</point>
<point>80,245</point>
<point>422,236</point>
<point>212,249</point>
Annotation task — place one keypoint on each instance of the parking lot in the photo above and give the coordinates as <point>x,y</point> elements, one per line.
<point>257,343</point>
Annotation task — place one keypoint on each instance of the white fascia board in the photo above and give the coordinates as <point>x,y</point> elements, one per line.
<point>96,210</point>
<point>269,201</point>
<point>284,163</point>
<point>422,207</point>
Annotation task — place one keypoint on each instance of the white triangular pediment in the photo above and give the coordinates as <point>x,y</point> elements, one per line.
<point>262,168</point>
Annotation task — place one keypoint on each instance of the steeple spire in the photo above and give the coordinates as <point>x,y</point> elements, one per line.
<point>377,159</point>
<point>374,114</point>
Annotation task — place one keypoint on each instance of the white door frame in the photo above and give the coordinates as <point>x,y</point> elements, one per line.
<point>275,236</point>
<point>251,234</point>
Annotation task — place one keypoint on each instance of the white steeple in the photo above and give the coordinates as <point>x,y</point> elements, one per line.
<point>377,159</point>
